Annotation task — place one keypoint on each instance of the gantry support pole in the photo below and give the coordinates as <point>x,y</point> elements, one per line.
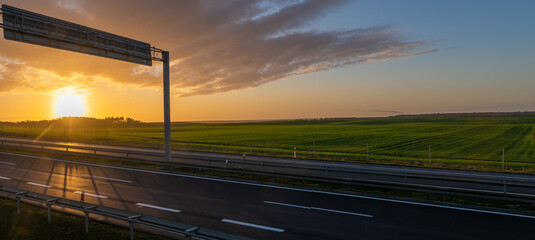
<point>166,106</point>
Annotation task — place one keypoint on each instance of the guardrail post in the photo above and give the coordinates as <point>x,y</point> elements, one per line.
<point>18,200</point>
<point>131,222</point>
<point>504,186</point>
<point>49,206</point>
<point>429,154</point>
<point>131,230</point>
<point>367,152</point>
<point>191,230</point>
<point>86,213</point>
<point>18,204</point>
<point>503,159</point>
<point>67,149</point>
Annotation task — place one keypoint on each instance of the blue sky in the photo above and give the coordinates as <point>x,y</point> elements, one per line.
<point>483,34</point>
<point>485,49</point>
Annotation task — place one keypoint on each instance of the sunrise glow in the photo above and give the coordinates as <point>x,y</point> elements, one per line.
<point>257,61</point>
<point>69,105</point>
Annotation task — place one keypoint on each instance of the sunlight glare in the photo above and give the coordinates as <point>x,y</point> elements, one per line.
<point>70,105</point>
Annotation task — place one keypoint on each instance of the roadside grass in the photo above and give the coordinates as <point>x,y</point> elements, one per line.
<point>32,224</point>
<point>475,143</point>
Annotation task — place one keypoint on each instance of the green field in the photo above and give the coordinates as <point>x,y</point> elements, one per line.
<point>456,141</point>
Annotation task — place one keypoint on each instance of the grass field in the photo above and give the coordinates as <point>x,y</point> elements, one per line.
<point>469,141</point>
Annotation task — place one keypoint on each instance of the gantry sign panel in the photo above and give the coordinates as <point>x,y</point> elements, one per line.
<point>29,27</point>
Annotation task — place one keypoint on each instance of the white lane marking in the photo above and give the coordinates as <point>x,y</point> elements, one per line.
<point>252,225</point>
<point>319,209</point>
<point>280,187</point>
<point>112,179</point>
<point>158,207</point>
<point>5,178</point>
<point>287,205</point>
<point>91,195</point>
<point>8,163</point>
<point>39,185</point>
<point>342,212</point>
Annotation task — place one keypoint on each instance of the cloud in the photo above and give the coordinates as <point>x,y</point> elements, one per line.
<point>215,46</point>
<point>70,5</point>
<point>16,75</point>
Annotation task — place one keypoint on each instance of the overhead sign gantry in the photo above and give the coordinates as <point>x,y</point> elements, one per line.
<point>29,27</point>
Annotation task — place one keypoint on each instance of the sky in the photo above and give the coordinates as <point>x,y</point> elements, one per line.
<point>250,60</point>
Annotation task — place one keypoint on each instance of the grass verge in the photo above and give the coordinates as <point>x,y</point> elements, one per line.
<point>32,223</point>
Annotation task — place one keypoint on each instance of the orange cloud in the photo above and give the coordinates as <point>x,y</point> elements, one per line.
<point>215,46</point>
<point>19,76</point>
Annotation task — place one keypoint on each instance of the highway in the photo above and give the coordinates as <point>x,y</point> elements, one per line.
<point>362,171</point>
<point>257,210</point>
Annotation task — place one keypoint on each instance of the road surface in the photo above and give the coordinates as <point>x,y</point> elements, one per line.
<point>395,173</point>
<point>257,210</point>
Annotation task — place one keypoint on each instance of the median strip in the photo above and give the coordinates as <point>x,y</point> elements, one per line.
<point>111,179</point>
<point>252,225</point>
<point>39,185</point>
<point>91,195</point>
<point>158,207</point>
<point>319,209</point>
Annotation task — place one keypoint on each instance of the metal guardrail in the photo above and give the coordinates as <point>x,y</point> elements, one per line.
<point>327,172</point>
<point>180,229</point>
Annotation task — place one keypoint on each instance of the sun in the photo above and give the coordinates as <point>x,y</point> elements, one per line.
<point>69,105</point>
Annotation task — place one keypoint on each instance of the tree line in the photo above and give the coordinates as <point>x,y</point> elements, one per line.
<point>77,122</point>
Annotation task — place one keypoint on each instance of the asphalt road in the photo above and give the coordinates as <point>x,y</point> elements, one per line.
<point>197,158</point>
<point>257,210</point>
